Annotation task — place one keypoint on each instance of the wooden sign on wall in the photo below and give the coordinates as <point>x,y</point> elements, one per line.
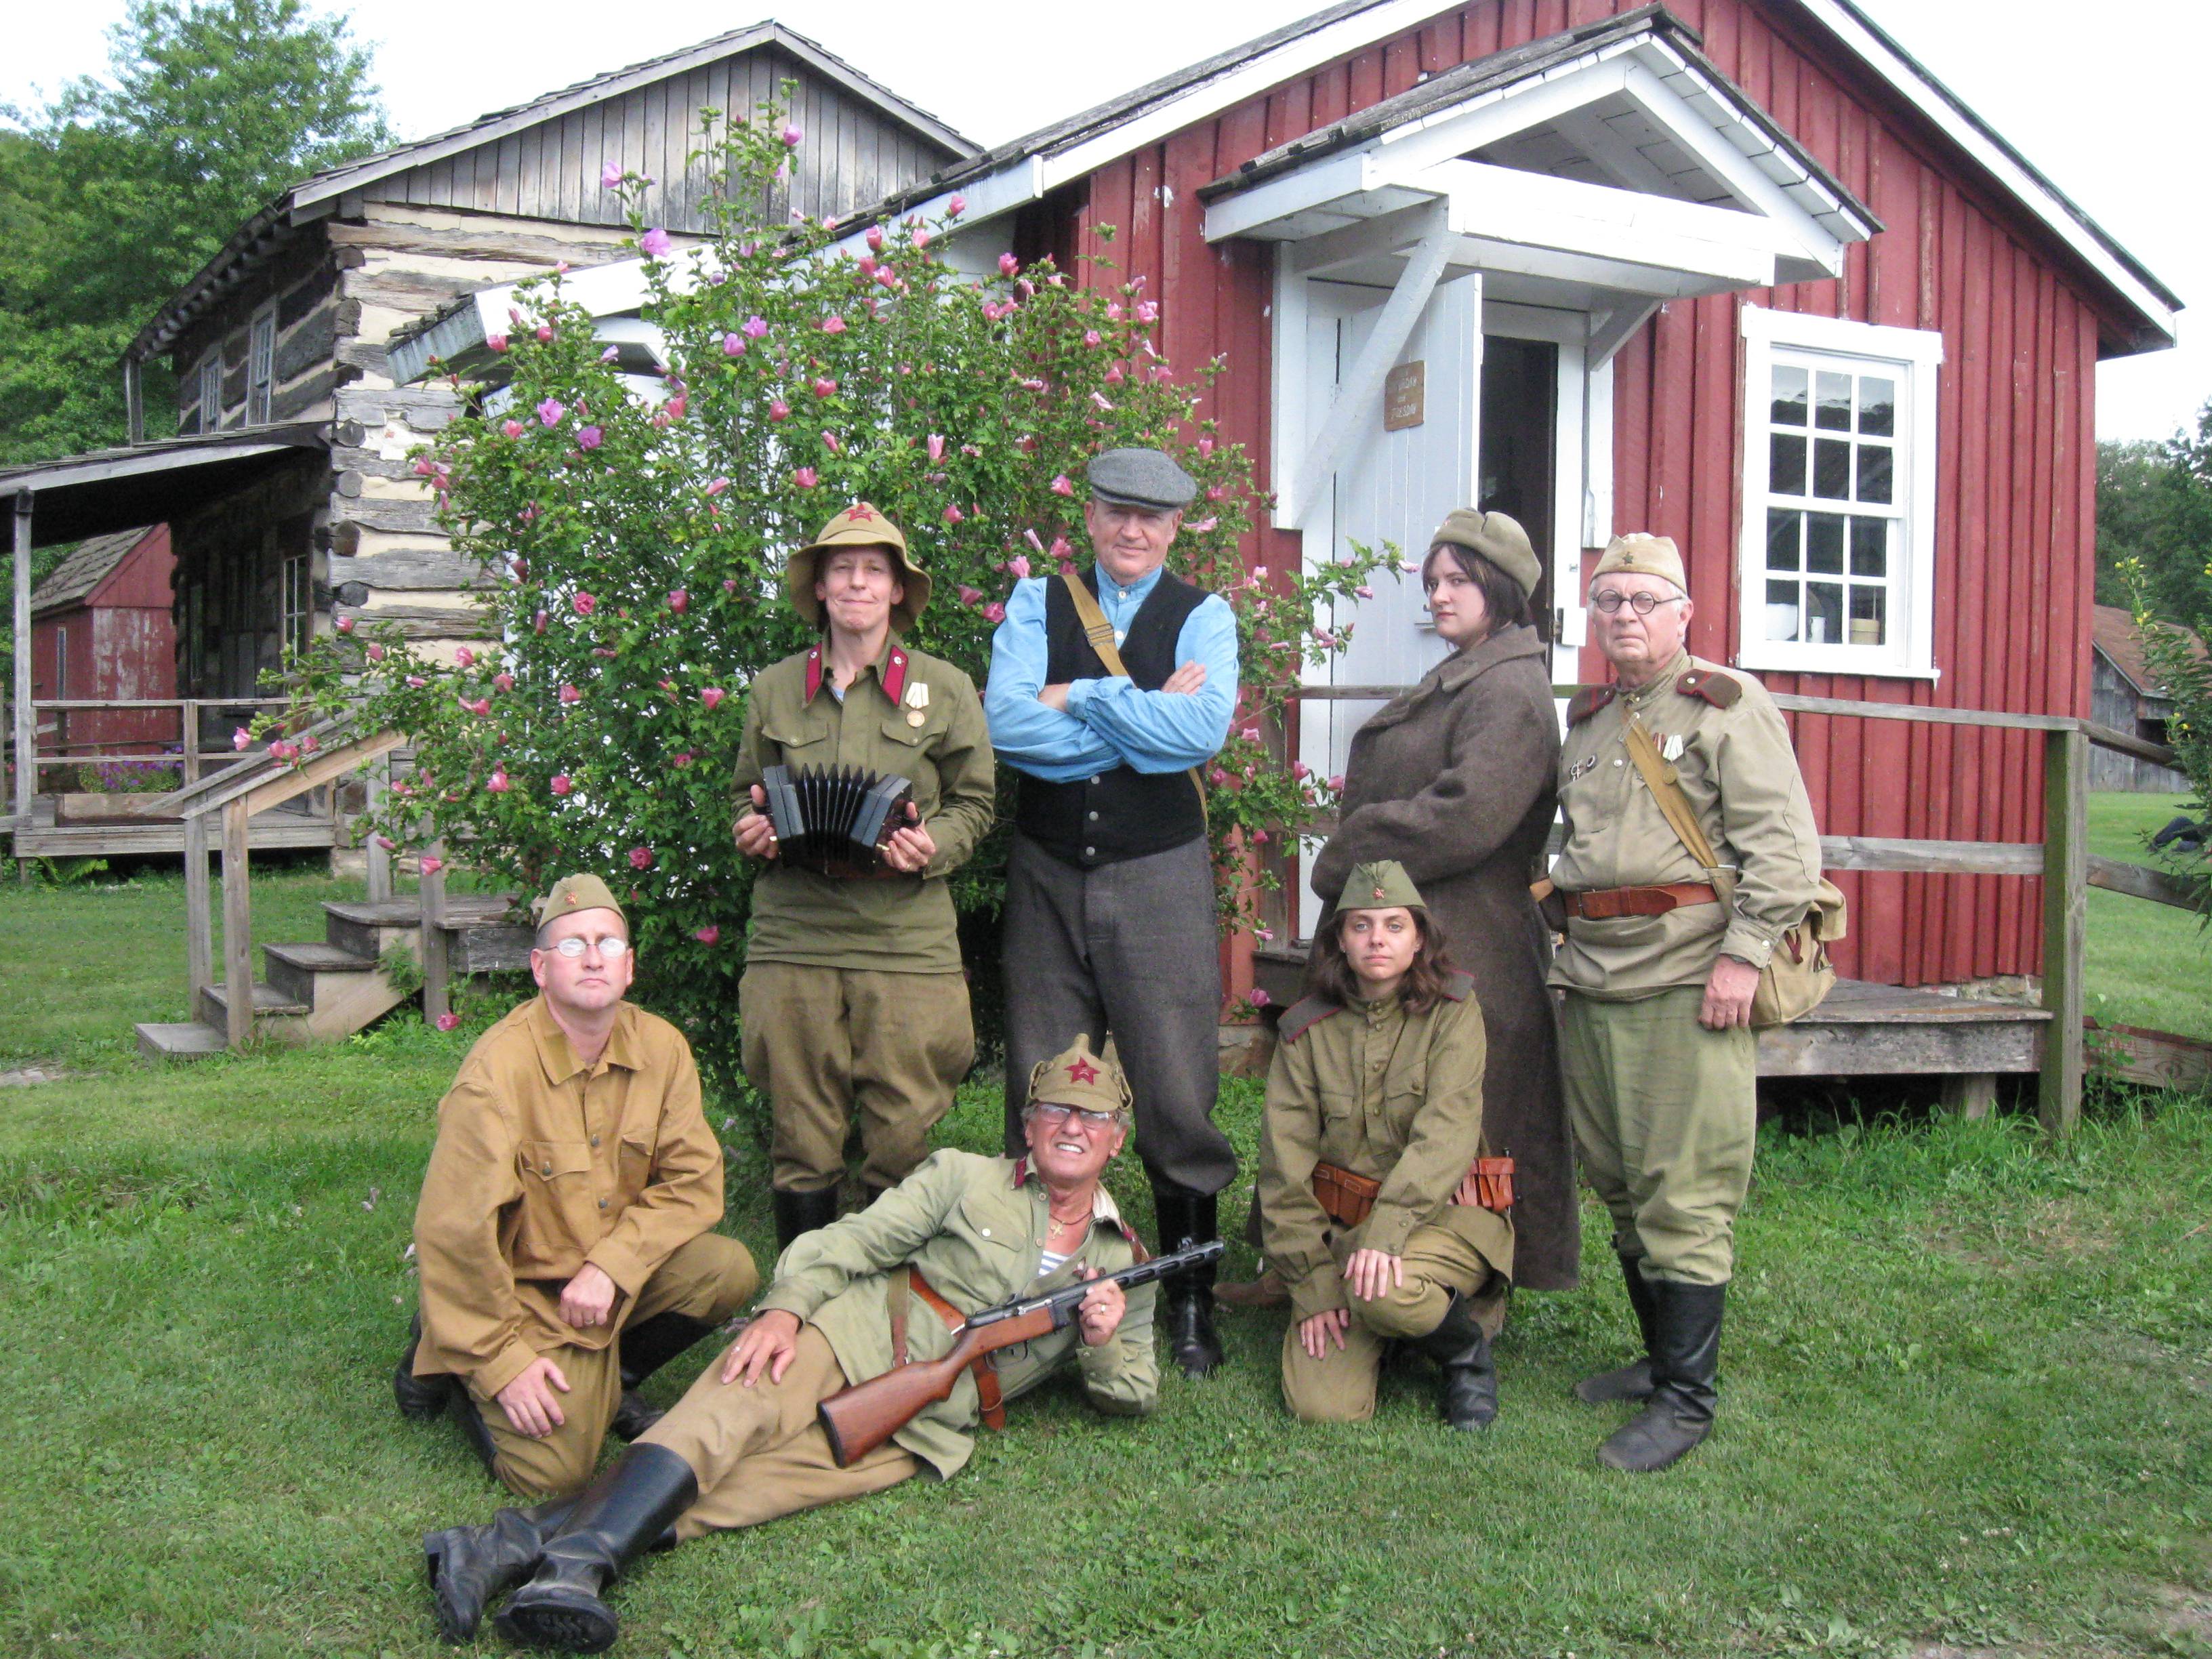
<point>1404,396</point>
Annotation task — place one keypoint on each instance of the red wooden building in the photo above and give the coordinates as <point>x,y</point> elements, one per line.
<point>1736,272</point>
<point>100,630</point>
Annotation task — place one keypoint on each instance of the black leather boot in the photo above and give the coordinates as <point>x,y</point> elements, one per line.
<point>1633,1380</point>
<point>1685,1362</point>
<point>1186,1219</point>
<point>801,1212</point>
<point>1467,1397</point>
<point>419,1398</point>
<point>646,1347</point>
<point>473,1430</point>
<point>471,1567</point>
<point>617,1518</point>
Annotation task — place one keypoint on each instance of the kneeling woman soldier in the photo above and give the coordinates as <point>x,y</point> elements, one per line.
<point>1369,1183</point>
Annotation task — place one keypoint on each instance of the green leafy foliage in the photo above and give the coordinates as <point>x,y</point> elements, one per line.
<point>639,528</point>
<point>2155,508</point>
<point>112,195</point>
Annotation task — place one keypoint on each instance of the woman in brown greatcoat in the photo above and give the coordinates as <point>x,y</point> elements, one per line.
<point>1456,779</point>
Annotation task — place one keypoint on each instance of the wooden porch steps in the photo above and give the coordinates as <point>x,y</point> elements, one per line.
<point>189,1039</point>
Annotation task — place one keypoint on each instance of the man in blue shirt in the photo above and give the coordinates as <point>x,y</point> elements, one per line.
<point>1110,901</point>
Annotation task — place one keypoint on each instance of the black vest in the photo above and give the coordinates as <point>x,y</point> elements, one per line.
<point>1123,813</point>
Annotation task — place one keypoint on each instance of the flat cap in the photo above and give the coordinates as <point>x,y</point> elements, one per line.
<point>1642,555</point>
<point>1139,477</point>
<point>1080,1078</point>
<point>858,526</point>
<point>1380,884</point>
<point>573,893</point>
<point>1494,537</point>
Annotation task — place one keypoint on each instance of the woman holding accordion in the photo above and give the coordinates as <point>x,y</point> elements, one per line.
<point>853,1000</point>
<point>1381,1214</point>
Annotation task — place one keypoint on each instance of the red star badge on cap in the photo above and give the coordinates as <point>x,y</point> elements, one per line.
<point>1082,1071</point>
<point>859,514</point>
<point>1378,892</point>
<point>568,898</point>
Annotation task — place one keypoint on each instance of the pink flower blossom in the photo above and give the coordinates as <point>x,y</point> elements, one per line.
<point>956,207</point>
<point>683,758</point>
<point>679,600</point>
<point>1214,492</point>
<point>1018,566</point>
<point>465,658</point>
<point>510,428</point>
<point>1008,265</point>
<point>1148,311</point>
<point>1337,783</point>
<point>560,783</point>
<point>1090,336</point>
<point>502,683</point>
<point>497,342</point>
<point>376,654</point>
<point>549,412</point>
<point>570,694</point>
<point>654,243</point>
<point>416,682</point>
<point>936,447</point>
<point>1263,934</point>
<point>712,696</point>
<point>791,135</point>
<point>387,843</point>
<point>497,783</point>
<point>590,438</point>
<point>1258,837</point>
<point>804,478</point>
<point>481,708</point>
<point>609,354</point>
<point>1098,398</point>
<point>1217,777</point>
<point>1030,537</point>
<point>449,1022</point>
<point>676,406</point>
<point>710,934</point>
<point>1204,448</point>
<point>953,515</point>
<point>833,324</point>
<point>970,596</point>
<point>779,410</point>
<point>537,623</point>
<point>1114,377</point>
<point>729,584</point>
<point>544,332</point>
<point>641,857</point>
<point>1113,312</point>
<point>875,238</point>
<point>732,346</point>
<point>1199,527</point>
<point>431,865</point>
<point>830,442</point>
<point>1300,770</point>
<point>1364,592</point>
<point>343,624</point>
<point>585,604</point>
<point>1060,486</point>
<point>921,238</point>
<point>716,486</point>
<point>611,176</point>
<point>1032,385</point>
<point>994,613</point>
<point>825,388</point>
<point>1260,999</point>
<point>241,739</point>
<point>753,327</point>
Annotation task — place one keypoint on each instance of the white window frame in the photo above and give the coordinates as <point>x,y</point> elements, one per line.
<point>1912,357</point>
<point>261,367</point>
<point>298,601</point>
<point>211,390</point>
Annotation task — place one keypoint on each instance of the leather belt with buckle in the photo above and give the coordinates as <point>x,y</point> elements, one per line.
<point>1605,904</point>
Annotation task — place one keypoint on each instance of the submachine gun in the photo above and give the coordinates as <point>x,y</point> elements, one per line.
<point>861,1417</point>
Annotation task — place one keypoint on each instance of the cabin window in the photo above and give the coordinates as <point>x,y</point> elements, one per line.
<point>211,391</point>
<point>260,369</point>
<point>299,603</point>
<point>1840,507</point>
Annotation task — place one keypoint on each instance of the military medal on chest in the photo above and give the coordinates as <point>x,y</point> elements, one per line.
<point>917,699</point>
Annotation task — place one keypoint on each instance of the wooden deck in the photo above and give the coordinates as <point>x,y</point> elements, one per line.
<point>274,831</point>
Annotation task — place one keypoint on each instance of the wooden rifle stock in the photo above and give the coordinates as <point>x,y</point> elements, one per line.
<point>864,1416</point>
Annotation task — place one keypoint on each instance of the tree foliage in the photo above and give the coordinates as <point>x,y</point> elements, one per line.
<point>2155,509</point>
<point>638,526</point>
<point>117,192</point>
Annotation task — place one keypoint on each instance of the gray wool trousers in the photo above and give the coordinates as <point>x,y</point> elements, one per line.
<point>1130,948</point>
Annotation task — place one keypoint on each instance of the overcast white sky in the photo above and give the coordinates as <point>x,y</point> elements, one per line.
<point>2112,114</point>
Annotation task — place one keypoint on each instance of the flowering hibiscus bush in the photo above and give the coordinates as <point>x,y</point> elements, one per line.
<point>636,530</point>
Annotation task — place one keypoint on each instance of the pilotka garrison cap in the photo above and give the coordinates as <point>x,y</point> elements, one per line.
<point>1640,555</point>
<point>1380,884</point>
<point>1139,477</point>
<point>1496,538</point>
<point>574,893</point>
<point>858,526</point>
<point>1080,1078</point>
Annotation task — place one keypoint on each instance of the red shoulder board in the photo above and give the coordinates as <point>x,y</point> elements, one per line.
<point>1715,687</point>
<point>1458,987</point>
<point>894,675</point>
<point>1588,701</point>
<point>1302,1017</point>
<point>813,672</point>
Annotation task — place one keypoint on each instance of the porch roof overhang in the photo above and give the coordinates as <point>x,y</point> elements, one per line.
<point>112,490</point>
<point>1615,164</point>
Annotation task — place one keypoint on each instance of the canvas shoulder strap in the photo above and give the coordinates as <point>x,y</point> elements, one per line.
<point>1659,777</point>
<point>1100,633</point>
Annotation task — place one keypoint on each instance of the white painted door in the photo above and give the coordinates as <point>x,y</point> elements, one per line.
<point>1393,487</point>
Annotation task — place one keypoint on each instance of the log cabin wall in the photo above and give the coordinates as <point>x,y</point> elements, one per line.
<point>2020,319</point>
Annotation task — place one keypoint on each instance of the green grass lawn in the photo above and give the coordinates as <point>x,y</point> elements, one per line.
<point>2146,964</point>
<point>1968,1401</point>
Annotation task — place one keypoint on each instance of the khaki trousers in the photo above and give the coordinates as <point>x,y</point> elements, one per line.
<point>709,1280</point>
<point>1340,1387</point>
<point>824,1043</point>
<point>1665,1115</point>
<point>759,1452</point>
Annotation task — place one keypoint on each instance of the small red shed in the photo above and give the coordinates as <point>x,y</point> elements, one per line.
<point>101,630</point>
<point>1737,271</point>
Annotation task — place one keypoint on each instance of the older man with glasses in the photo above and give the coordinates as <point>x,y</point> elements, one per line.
<point>1662,957</point>
<point>564,1231</point>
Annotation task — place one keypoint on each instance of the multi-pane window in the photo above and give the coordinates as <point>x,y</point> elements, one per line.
<point>211,391</point>
<point>1840,510</point>
<point>260,368</point>
<point>299,602</point>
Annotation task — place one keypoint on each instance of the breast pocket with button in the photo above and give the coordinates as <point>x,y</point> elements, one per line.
<point>559,1210</point>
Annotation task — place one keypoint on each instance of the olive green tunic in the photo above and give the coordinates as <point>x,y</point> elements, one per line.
<point>1387,1094</point>
<point>911,714</point>
<point>975,1227</point>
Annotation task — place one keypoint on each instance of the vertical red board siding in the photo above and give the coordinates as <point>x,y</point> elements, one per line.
<point>2015,466</point>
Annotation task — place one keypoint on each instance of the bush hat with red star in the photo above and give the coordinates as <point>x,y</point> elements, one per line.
<point>573,893</point>
<point>1637,554</point>
<point>1080,1078</point>
<point>1381,885</point>
<point>858,526</point>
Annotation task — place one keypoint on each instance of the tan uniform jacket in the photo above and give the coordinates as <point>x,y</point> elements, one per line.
<point>1736,766</point>
<point>975,1227</point>
<point>541,1166</point>
<point>912,715</point>
<point>1394,1097</point>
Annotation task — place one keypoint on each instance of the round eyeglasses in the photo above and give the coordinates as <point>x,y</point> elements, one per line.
<point>1641,603</point>
<point>576,944</point>
<point>1053,1112</point>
